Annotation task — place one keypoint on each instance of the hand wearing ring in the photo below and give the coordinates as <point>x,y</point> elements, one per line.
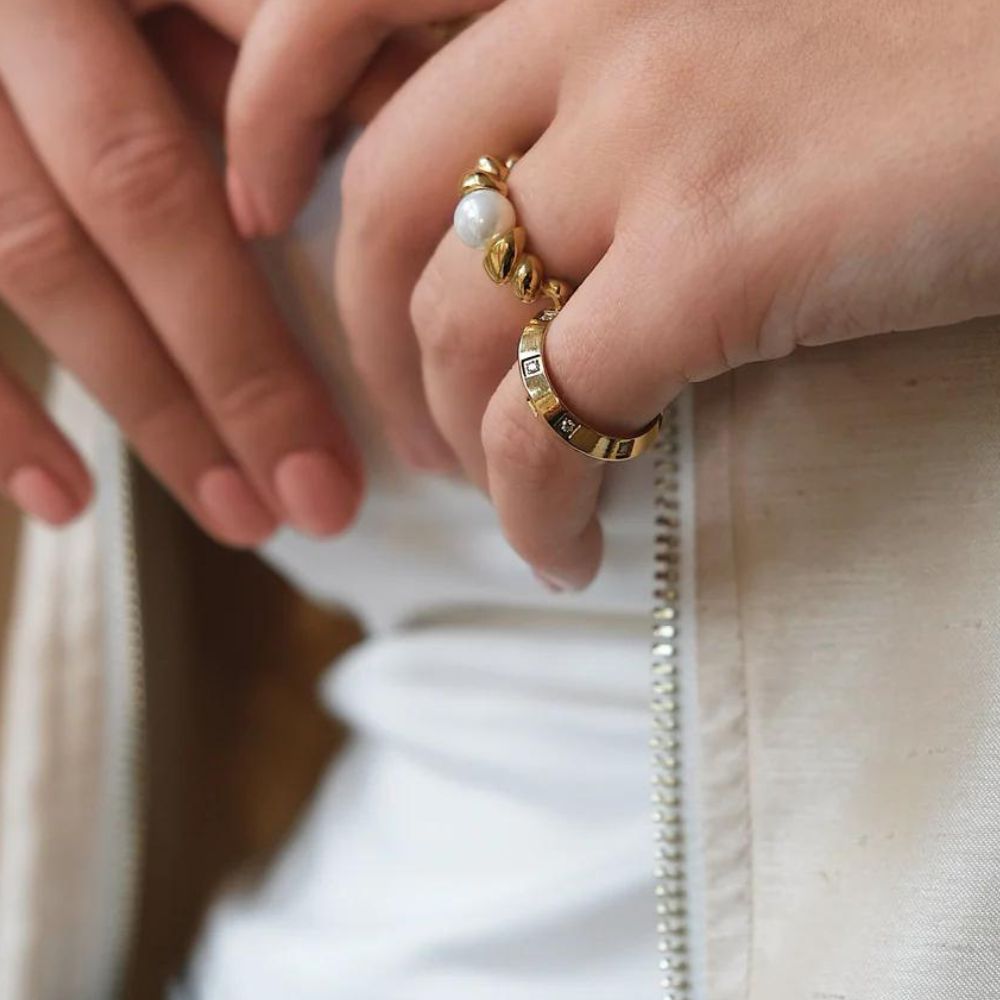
<point>485,220</point>
<point>720,183</point>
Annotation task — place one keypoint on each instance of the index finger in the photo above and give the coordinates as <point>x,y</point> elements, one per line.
<point>107,127</point>
<point>298,64</point>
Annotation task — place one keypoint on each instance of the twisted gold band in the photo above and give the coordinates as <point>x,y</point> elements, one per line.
<point>545,401</point>
<point>506,260</point>
<point>485,219</point>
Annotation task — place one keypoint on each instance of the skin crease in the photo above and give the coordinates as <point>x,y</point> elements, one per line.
<point>725,182</point>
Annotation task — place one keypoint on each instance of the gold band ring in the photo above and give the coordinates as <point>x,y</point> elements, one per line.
<point>545,401</point>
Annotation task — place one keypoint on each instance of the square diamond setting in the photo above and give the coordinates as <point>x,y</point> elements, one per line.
<point>533,366</point>
<point>567,425</point>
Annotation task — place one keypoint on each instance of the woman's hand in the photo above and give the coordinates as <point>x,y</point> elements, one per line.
<point>724,182</point>
<point>116,248</point>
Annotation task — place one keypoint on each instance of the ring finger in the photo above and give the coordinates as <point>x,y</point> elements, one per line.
<point>467,326</point>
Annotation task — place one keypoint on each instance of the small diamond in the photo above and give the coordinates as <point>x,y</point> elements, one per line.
<point>567,425</point>
<point>624,449</point>
<point>532,366</point>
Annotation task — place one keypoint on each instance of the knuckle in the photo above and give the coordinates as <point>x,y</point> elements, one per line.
<point>40,244</point>
<point>162,425</point>
<point>430,308</point>
<point>438,321</point>
<point>144,169</point>
<point>712,309</point>
<point>447,331</point>
<point>259,397</point>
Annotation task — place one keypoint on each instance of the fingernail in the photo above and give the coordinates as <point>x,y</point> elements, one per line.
<point>233,507</point>
<point>553,584</point>
<point>318,496</point>
<point>38,493</point>
<point>241,205</point>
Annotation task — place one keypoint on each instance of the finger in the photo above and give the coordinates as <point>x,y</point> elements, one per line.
<point>53,277</point>
<point>545,492</point>
<point>39,470</point>
<point>200,61</point>
<point>399,196</point>
<point>298,64</point>
<point>468,327</point>
<point>231,18</point>
<point>134,172</point>
<point>395,62</point>
<point>197,59</point>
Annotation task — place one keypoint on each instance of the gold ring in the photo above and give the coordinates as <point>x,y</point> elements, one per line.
<point>545,401</point>
<point>485,219</point>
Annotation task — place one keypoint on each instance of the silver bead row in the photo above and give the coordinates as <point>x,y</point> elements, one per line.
<point>670,872</point>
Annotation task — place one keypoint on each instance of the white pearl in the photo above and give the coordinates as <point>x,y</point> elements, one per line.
<point>481,215</point>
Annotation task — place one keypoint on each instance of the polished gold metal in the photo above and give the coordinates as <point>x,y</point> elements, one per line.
<point>511,160</point>
<point>557,292</point>
<point>492,166</point>
<point>528,277</point>
<point>545,402</point>
<point>505,259</point>
<point>476,180</point>
<point>503,255</point>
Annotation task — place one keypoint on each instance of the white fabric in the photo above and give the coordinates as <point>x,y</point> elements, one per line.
<point>487,835</point>
<point>473,843</point>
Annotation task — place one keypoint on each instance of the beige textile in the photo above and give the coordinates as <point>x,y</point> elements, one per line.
<point>848,644</point>
<point>56,744</point>
<point>849,663</point>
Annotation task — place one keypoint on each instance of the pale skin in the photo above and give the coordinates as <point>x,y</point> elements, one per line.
<point>723,182</point>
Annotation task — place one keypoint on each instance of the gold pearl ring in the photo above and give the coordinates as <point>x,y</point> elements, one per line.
<point>485,220</point>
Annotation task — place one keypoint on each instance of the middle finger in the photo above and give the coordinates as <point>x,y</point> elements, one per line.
<point>400,193</point>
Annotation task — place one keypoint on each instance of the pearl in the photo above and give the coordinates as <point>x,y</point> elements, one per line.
<point>482,215</point>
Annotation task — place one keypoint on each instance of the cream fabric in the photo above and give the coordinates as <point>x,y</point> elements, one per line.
<point>849,639</point>
<point>59,862</point>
